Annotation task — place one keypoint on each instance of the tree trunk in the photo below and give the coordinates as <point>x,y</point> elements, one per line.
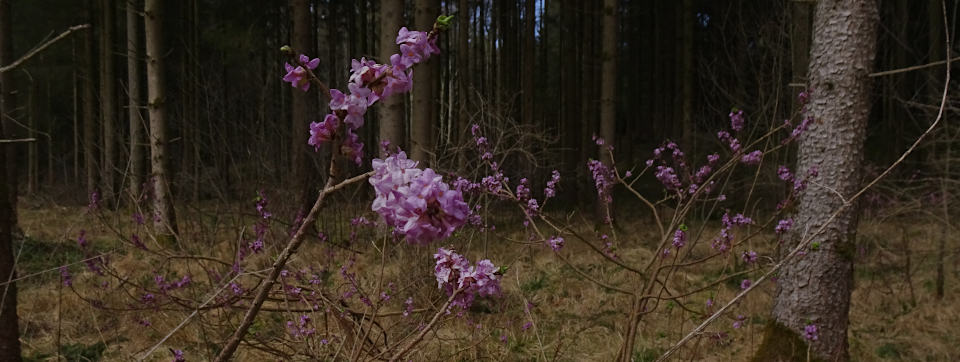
<point>9,324</point>
<point>108,98</point>
<point>588,103</point>
<point>686,76</point>
<point>33,162</point>
<point>935,53</point>
<point>816,287</point>
<point>89,87</point>
<point>422,133</point>
<point>608,92</point>
<point>608,86</point>
<point>464,77</point>
<point>391,108</point>
<point>529,62</point>
<point>164,217</point>
<point>303,108</point>
<point>137,164</point>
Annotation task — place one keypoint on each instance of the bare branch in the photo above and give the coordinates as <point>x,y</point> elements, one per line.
<point>41,47</point>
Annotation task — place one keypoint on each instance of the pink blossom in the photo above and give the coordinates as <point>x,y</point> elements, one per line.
<point>555,243</point>
<point>752,158</point>
<point>418,203</point>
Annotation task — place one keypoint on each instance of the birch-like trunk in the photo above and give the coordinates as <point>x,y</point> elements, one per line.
<point>164,217</point>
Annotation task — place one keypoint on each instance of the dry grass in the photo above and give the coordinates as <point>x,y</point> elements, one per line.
<point>573,319</point>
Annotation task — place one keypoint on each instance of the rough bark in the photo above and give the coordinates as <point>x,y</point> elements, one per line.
<point>816,287</point>
<point>137,164</point>
<point>164,217</point>
<point>9,323</point>
<point>801,14</point>
<point>391,108</point>
<point>423,119</point>
<point>108,99</point>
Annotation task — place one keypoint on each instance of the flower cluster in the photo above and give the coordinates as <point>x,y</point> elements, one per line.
<point>416,202</point>
<point>297,76</point>
<point>551,189</point>
<point>783,226</point>
<point>679,238</point>
<point>454,272</point>
<point>752,158</point>
<point>368,83</point>
<point>723,242</point>
<point>555,243</point>
<point>166,286</point>
<point>736,119</point>
<point>178,355</point>
<point>263,223</point>
<point>810,332</point>
<point>603,179</point>
<point>799,184</point>
<point>301,328</point>
<point>673,172</point>
<point>731,141</point>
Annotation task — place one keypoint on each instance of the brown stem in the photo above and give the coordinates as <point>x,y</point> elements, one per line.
<point>231,346</point>
<point>427,328</point>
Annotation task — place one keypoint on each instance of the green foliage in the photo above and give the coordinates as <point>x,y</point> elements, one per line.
<point>535,284</point>
<point>646,354</point>
<point>888,351</point>
<point>82,352</point>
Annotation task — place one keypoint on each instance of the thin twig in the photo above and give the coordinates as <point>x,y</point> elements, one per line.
<point>428,327</point>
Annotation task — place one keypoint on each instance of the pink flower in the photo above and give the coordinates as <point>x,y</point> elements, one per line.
<point>431,209</point>
<point>297,76</point>
<point>453,271</point>
<point>323,131</point>
<point>752,158</point>
<point>679,238</point>
<point>555,243</point>
<point>736,120</point>
<point>418,203</point>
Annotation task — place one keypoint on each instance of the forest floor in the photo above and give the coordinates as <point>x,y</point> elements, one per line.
<point>547,310</point>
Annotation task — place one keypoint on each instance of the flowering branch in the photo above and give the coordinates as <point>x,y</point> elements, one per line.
<point>231,346</point>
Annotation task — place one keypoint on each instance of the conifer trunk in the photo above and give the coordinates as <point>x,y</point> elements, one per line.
<point>108,98</point>
<point>391,108</point>
<point>422,128</point>
<point>137,164</point>
<point>9,322</point>
<point>816,287</point>
<point>164,217</point>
